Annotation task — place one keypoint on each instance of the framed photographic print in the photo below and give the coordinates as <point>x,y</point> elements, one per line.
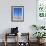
<point>17,13</point>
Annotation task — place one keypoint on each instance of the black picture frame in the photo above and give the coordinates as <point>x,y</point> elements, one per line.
<point>17,13</point>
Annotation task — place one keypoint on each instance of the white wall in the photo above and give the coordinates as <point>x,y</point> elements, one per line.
<point>29,15</point>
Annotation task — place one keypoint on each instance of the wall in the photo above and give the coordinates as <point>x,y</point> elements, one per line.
<point>29,15</point>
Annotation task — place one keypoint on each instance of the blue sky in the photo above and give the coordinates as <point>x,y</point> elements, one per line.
<point>17,11</point>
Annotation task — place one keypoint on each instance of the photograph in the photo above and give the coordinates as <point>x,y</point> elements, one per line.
<point>17,13</point>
